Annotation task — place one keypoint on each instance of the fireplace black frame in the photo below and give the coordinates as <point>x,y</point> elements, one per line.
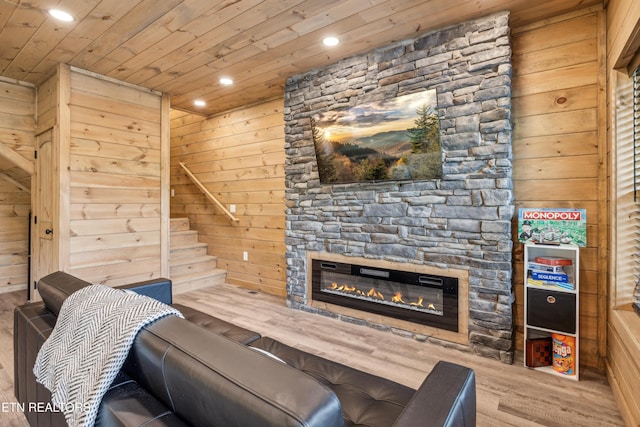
<point>448,285</point>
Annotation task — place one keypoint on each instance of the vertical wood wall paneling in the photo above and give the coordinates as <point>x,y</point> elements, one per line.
<point>115,170</point>
<point>47,102</point>
<point>557,146</point>
<point>603,194</point>
<point>239,157</point>
<point>62,168</point>
<point>17,122</point>
<point>165,182</point>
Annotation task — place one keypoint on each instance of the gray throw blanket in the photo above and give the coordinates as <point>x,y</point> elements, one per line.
<point>89,344</point>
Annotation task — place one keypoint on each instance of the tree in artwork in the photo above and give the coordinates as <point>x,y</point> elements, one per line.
<point>324,155</point>
<point>425,136</point>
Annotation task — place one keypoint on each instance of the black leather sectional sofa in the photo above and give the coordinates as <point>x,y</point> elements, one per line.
<point>203,371</point>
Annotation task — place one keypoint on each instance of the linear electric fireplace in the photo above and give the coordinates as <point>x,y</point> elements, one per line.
<point>426,299</point>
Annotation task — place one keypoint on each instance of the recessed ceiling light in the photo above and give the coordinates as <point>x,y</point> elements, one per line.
<point>61,15</point>
<point>226,81</point>
<point>199,103</point>
<point>331,41</point>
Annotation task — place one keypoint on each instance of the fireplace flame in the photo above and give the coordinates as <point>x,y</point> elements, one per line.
<point>344,288</point>
<point>373,293</point>
<point>398,298</point>
<point>419,303</point>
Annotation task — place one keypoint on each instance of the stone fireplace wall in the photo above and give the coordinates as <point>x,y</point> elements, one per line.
<point>461,221</point>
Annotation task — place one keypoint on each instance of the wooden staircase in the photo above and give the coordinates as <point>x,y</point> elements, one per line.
<point>190,267</point>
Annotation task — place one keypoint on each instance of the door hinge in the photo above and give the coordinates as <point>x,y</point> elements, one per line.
<point>35,154</point>
<point>35,219</point>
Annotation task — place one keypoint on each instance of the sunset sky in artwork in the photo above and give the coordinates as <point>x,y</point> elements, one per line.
<point>368,119</point>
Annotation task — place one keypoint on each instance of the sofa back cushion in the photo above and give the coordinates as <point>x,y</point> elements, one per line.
<point>54,289</point>
<point>210,380</point>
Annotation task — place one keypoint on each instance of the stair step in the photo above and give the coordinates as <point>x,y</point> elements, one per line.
<point>191,282</point>
<point>176,262</point>
<point>195,265</point>
<point>184,238</point>
<point>179,224</point>
<point>190,267</point>
<point>188,251</point>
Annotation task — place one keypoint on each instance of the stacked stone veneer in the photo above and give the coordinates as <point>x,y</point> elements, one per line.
<point>461,221</point>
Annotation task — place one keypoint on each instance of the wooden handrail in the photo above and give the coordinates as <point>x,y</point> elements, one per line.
<point>14,182</point>
<point>211,197</point>
<point>16,158</point>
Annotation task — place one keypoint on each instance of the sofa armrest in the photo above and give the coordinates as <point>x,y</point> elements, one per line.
<point>54,288</point>
<point>32,325</point>
<point>159,289</point>
<point>447,397</point>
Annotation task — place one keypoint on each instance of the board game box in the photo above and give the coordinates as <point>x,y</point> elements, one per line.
<point>539,352</point>
<point>552,226</point>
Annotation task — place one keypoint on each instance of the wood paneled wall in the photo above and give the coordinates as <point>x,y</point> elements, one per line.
<point>17,123</point>
<point>47,106</point>
<point>239,157</point>
<point>559,150</point>
<point>115,191</point>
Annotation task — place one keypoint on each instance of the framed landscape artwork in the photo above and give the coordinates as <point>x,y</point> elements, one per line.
<point>396,139</point>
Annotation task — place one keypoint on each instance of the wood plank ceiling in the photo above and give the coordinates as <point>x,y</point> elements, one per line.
<point>183,47</point>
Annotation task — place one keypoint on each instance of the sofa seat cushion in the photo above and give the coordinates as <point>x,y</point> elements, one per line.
<point>366,399</point>
<point>218,326</point>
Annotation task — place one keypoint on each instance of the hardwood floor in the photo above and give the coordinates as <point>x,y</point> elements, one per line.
<point>508,395</point>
